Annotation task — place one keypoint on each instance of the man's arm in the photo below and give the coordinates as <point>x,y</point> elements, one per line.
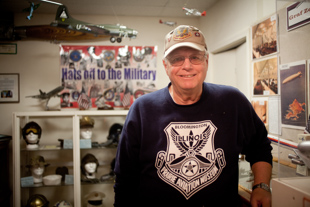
<point>262,174</point>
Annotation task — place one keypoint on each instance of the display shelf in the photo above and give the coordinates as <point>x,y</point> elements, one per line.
<point>53,119</point>
<point>41,185</point>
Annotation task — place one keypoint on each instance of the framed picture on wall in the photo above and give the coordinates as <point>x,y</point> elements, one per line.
<point>9,87</point>
<point>293,94</point>
<point>264,38</point>
<point>265,77</point>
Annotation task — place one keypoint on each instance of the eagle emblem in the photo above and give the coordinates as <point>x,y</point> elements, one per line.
<point>190,161</point>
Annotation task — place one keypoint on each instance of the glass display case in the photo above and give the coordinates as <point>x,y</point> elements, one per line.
<point>52,170</point>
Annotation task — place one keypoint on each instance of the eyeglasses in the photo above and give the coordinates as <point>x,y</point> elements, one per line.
<point>179,60</point>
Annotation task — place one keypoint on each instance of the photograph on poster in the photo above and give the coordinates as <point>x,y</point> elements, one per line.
<point>260,106</point>
<point>264,38</point>
<point>265,77</point>
<point>293,94</point>
<point>106,77</point>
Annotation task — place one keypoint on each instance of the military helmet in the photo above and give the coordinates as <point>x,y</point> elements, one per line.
<point>37,200</point>
<point>62,203</point>
<point>115,132</point>
<point>87,122</point>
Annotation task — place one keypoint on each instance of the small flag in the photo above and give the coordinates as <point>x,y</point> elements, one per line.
<point>126,97</point>
<point>84,101</point>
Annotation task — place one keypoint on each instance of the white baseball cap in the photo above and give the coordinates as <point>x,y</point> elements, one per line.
<point>184,36</point>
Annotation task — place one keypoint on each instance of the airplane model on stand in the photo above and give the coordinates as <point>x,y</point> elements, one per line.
<point>194,12</point>
<point>47,96</point>
<point>66,28</point>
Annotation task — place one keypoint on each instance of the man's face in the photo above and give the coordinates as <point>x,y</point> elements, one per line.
<point>188,76</point>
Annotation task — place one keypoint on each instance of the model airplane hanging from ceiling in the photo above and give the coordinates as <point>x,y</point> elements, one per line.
<point>31,9</point>
<point>66,28</point>
<point>194,12</point>
<point>169,23</point>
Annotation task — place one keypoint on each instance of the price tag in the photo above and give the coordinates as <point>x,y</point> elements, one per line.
<point>68,144</point>
<point>85,143</point>
<point>26,181</point>
<point>68,179</point>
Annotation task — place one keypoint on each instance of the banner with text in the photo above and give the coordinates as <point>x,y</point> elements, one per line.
<point>106,77</point>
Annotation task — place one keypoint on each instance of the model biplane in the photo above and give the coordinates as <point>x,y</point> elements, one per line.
<point>66,28</point>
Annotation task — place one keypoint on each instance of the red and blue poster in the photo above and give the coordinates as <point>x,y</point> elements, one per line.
<point>106,77</point>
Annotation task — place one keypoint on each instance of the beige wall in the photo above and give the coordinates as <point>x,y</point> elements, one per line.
<point>37,62</point>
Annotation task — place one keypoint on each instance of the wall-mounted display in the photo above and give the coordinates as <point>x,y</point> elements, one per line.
<point>265,77</point>
<point>297,14</point>
<point>264,38</point>
<point>9,87</point>
<point>8,48</point>
<point>106,77</point>
<point>293,94</point>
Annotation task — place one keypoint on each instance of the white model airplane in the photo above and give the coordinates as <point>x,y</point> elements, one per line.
<point>48,95</point>
<point>194,12</point>
<point>169,23</point>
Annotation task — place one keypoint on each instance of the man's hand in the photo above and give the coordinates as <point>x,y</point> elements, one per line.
<point>262,174</point>
<point>260,197</point>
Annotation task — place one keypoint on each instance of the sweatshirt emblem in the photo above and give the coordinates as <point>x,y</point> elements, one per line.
<point>190,161</point>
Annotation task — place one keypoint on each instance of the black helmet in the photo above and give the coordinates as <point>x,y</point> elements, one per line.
<point>115,131</point>
<point>31,127</point>
<point>37,200</point>
<point>114,135</point>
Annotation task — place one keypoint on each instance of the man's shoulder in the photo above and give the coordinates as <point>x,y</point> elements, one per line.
<point>153,97</point>
<point>219,89</point>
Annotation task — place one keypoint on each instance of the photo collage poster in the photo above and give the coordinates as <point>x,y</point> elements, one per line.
<point>265,69</point>
<point>106,77</point>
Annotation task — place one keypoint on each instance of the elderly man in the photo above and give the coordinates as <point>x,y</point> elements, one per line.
<point>180,145</point>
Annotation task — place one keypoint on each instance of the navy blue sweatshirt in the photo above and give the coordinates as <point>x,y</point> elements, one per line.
<point>187,155</point>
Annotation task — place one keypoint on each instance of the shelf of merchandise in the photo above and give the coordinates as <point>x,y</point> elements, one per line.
<point>75,117</point>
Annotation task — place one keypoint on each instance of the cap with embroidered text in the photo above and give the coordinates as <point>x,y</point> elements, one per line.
<point>184,36</point>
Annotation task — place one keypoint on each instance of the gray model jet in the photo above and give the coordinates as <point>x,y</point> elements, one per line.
<point>47,96</point>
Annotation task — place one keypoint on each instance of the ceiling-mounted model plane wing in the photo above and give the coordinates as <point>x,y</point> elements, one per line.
<point>66,28</point>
